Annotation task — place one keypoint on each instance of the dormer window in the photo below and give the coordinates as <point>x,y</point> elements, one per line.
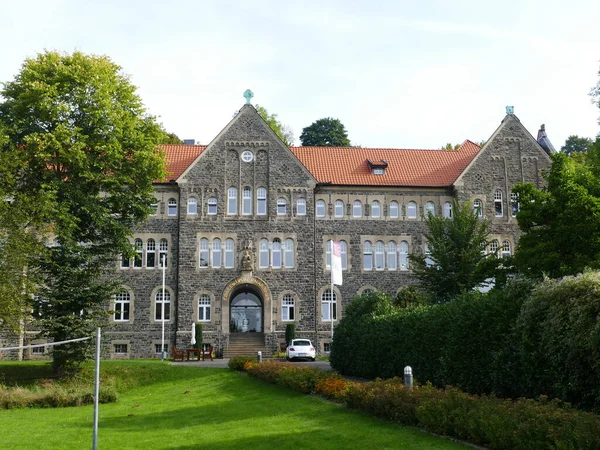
<point>378,171</point>
<point>377,168</point>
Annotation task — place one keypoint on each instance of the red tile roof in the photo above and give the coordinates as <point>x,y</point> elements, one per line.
<point>349,165</point>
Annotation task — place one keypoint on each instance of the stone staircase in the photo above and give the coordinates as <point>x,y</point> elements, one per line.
<point>246,344</point>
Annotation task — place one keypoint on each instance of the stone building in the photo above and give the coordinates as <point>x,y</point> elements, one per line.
<point>244,225</point>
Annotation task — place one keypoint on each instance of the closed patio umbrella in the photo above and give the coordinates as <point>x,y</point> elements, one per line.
<point>193,341</point>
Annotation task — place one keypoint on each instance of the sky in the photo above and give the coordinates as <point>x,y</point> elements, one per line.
<point>400,74</point>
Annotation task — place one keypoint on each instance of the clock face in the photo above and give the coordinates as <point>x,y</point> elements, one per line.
<point>247,156</point>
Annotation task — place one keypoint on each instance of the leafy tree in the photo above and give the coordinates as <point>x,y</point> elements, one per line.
<point>284,132</point>
<point>169,138</point>
<point>576,144</point>
<point>84,155</point>
<point>325,132</point>
<point>456,263</point>
<point>449,146</point>
<point>410,296</point>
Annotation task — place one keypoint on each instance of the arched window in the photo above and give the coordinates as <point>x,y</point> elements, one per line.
<point>172,207</point>
<point>344,248</point>
<point>357,209</point>
<point>204,308</point>
<point>448,210</point>
<point>288,308</point>
<point>122,306</point>
<point>163,251</point>
<point>125,262</point>
<point>288,259</point>
<point>328,305</point>
<point>158,305</point>
<point>328,255</point>
<point>403,253</point>
<point>247,201</point>
<point>229,254</point>
<point>514,201</point>
<point>301,207</point>
<point>379,255</point>
<point>154,208</point>
<point>392,256</point>
<point>339,208</point>
<point>204,253</point>
<point>506,249</point>
<point>367,256</point>
<point>211,206</point>
<point>478,208</point>
<point>320,208</point>
<point>150,254</point>
<point>232,201</point>
<point>375,209</point>
<point>281,206</point>
<point>276,254</point>
<point>429,209</point>
<point>263,260</point>
<point>216,253</point>
<point>494,247</point>
<point>394,210</point>
<point>498,209</point>
<point>428,259</point>
<point>411,210</point>
<point>261,201</point>
<point>192,207</point>
<point>139,252</point>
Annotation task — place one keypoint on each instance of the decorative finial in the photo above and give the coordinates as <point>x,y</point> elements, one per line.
<point>248,96</point>
<point>510,110</point>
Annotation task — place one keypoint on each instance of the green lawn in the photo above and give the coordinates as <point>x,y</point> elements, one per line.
<point>194,408</point>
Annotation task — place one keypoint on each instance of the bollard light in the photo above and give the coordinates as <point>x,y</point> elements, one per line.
<point>408,377</point>
<point>259,357</point>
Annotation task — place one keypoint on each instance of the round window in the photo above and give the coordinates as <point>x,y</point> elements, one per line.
<point>247,156</point>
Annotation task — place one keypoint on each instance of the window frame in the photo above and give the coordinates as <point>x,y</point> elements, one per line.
<point>288,307</point>
<point>394,206</point>
<point>263,254</point>
<point>119,307</point>
<point>375,209</point>
<point>232,206</point>
<point>429,209</point>
<point>150,251</point>
<point>204,305</point>
<point>229,257</point>
<point>217,254</point>
<point>301,207</point>
<point>204,251</point>
<point>448,210</point>
<point>329,299</point>
<point>247,201</point>
<point>320,208</point>
<point>288,253</point>
<point>498,204</point>
<point>261,201</point>
<point>211,206</point>
<point>282,206</point>
<point>158,300</point>
<point>367,256</point>
<point>411,210</point>
<point>172,207</point>
<point>357,209</point>
<point>192,210</point>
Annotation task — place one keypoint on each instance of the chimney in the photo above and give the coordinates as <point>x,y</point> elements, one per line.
<point>542,139</point>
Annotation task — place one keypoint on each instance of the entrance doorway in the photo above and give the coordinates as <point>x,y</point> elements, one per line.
<point>246,313</point>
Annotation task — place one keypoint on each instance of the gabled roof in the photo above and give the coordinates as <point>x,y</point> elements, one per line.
<point>350,165</point>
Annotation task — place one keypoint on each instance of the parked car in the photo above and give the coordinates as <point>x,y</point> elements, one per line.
<point>300,348</point>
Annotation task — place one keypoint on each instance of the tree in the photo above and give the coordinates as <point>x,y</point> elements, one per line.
<point>325,132</point>
<point>284,132</point>
<point>455,262</point>
<point>576,144</point>
<point>449,146</point>
<point>85,156</point>
<point>169,138</point>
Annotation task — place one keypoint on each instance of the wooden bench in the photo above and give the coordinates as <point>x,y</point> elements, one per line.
<point>207,353</point>
<point>178,354</point>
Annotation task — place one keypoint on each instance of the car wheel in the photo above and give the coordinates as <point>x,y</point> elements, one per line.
<point>313,359</point>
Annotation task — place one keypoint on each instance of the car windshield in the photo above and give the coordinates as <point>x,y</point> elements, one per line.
<point>301,343</point>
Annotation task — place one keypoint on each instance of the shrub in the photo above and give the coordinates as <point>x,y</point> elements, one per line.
<point>237,362</point>
<point>300,378</point>
<point>54,396</point>
<point>333,387</point>
<point>198,343</point>
<point>290,333</point>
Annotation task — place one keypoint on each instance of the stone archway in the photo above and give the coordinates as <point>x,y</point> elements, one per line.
<point>247,283</point>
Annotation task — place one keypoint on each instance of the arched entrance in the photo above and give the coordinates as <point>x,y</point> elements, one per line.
<point>246,311</point>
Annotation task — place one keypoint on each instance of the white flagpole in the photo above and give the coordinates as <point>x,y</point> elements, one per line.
<point>331,298</point>
<point>162,342</point>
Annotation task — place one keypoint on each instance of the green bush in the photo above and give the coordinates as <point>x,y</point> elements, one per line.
<point>300,378</point>
<point>237,362</point>
<point>290,333</point>
<point>54,396</point>
<point>198,343</point>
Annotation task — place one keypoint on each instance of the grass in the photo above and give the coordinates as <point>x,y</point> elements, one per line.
<point>162,406</point>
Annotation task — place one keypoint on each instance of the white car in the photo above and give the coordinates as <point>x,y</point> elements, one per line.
<point>300,348</point>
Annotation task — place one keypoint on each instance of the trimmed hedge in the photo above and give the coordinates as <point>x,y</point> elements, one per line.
<point>237,362</point>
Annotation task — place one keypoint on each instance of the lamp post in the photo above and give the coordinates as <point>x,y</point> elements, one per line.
<point>162,314</point>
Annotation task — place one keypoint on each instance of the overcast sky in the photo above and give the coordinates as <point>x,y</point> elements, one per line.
<point>406,74</point>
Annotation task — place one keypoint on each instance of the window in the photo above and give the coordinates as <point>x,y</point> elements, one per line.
<point>301,207</point>
<point>498,203</point>
<point>247,201</point>
<point>326,347</point>
<point>375,209</point>
<point>320,208</point>
<point>261,201</point>
<point>357,209</point>
<point>339,208</point>
<point>411,210</point>
<point>37,351</point>
<point>232,201</point>
<point>204,308</point>
<point>124,262</point>
<point>514,202</point>
<point>344,248</point>
<point>288,259</point>
<point>394,210</point>
<point>172,207</point>
<point>263,259</point>
<point>428,259</point>
<point>192,206</point>
<point>139,252</point>
<point>120,349</point>
<point>216,254</point>
<point>478,208</point>
<point>287,308</point>
<point>211,208</point>
<point>379,255</point>
<point>505,249</point>
<point>276,254</point>
<point>392,256</point>
<point>281,206</point>
<point>159,303</point>
<point>247,156</point>
<point>367,256</point>
<point>378,171</point>
<point>429,209</point>
<point>154,209</point>
<point>229,254</point>
<point>163,250</point>
<point>157,349</point>
<point>448,210</point>
<point>328,255</point>
<point>204,253</point>
<point>122,303</point>
<point>329,305</point>
<point>150,254</point>
<point>403,252</point>
<point>494,247</point>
